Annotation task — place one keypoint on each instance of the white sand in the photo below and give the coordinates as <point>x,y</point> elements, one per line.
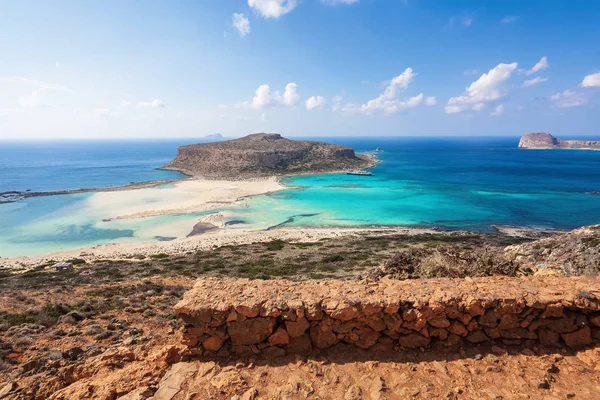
<point>189,196</point>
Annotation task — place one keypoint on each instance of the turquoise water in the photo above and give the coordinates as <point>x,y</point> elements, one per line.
<point>451,183</point>
<point>457,183</point>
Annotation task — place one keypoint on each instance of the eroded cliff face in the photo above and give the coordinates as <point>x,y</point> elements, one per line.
<point>542,140</point>
<point>261,155</point>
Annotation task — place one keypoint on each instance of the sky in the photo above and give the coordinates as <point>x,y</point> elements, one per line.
<point>115,69</point>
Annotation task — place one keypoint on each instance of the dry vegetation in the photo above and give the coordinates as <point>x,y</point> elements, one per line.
<point>56,325</point>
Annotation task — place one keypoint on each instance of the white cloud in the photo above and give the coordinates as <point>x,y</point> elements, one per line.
<point>488,87</point>
<point>334,2</point>
<point>534,81</point>
<point>387,102</point>
<point>431,101</point>
<point>290,96</point>
<point>336,103</point>
<point>241,23</point>
<point>498,111</point>
<point>508,20</point>
<point>592,80</point>
<point>264,98</point>
<point>317,102</point>
<point>520,108</point>
<point>156,103</point>
<point>33,100</point>
<point>539,66</point>
<point>471,72</point>
<point>568,99</point>
<point>272,8</point>
<point>125,103</point>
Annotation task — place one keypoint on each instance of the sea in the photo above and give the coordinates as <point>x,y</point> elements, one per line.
<point>471,183</point>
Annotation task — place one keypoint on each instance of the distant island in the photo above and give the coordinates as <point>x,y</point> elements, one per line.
<point>264,154</point>
<point>542,140</point>
<point>214,137</point>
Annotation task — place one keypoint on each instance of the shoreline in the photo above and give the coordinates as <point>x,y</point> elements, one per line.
<point>218,236</point>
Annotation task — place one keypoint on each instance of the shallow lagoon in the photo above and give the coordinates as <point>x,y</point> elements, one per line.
<point>457,183</point>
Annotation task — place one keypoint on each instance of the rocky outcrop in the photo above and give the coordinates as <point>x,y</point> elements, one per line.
<point>262,155</point>
<point>277,316</point>
<point>542,140</point>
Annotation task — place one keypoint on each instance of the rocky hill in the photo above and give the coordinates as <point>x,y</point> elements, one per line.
<point>264,154</point>
<point>542,140</point>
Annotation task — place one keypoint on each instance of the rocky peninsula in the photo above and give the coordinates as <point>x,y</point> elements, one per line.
<point>543,140</point>
<point>262,155</point>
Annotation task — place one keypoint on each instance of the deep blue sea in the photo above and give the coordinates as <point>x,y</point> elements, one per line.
<point>451,183</point>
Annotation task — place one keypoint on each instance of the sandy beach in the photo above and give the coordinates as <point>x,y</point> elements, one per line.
<point>209,240</point>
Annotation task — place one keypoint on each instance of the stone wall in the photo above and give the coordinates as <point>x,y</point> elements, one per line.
<point>277,316</point>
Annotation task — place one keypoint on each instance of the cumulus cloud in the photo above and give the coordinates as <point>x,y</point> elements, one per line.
<point>508,20</point>
<point>534,81</point>
<point>489,87</point>
<point>272,8</point>
<point>241,23</point>
<point>290,96</point>
<point>388,102</point>
<point>592,80</point>
<point>125,103</point>
<point>539,66</point>
<point>317,102</point>
<point>156,103</point>
<point>568,99</point>
<point>336,103</point>
<point>498,111</point>
<point>264,98</point>
<point>431,101</point>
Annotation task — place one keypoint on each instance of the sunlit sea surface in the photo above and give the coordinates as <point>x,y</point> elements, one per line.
<point>450,183</point>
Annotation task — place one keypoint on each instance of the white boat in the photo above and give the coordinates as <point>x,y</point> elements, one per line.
<point>361,173</point>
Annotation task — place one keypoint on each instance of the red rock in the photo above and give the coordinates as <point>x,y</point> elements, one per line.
<point>594,319</point>
<point>345,312</point>
<point>548,338</point>
<point>553,310</point>
<point>508,321</point>
<point>393,322</point>
<point>322,337</point>
<point>213,343</point>
<point>250,331</point>
<point>314,312</point>
<point>579,338</point>
<point>518,333</point>
<point>297,328</point>
<point>439,322</point>
<point>413,340</point>
<point>458,329</point>
<point>489,319</point>
<point>299,344</point>
<point>367,337</point>
<point>477,337</point>
<point>189,340</point>
<point>279,338</point>
<point>440,333</point>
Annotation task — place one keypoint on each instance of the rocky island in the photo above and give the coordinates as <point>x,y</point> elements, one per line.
<point>262,155</point>
<point>543,140</point>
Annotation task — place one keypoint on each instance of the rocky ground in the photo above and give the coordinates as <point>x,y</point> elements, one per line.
<point>106,329</point>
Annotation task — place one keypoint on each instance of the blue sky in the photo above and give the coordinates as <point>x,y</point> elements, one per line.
<point>115,69</point>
